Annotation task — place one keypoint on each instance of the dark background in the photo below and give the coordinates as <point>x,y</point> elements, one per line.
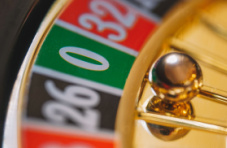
<point>19,21</point>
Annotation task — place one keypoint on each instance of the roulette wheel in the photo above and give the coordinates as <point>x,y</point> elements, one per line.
<point>114,73</point>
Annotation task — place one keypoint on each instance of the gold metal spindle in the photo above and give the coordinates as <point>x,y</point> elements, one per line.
<point>212,94</point>
<point>180,122</point>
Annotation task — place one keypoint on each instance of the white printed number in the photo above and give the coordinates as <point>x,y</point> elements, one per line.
<point>86,21</point>
<point>83,64</point>
<point>64,107</point>
<point>103,7</point>
<point>100,9</point>
<point>72,95</point>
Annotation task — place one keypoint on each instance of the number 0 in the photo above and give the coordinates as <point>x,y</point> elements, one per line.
<point>83,64</point>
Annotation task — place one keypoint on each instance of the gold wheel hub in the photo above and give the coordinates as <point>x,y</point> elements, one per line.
<point>170,106</point>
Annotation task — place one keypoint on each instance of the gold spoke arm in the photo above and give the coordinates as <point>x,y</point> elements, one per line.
<point>179,122</point>
<point>214,94</point>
